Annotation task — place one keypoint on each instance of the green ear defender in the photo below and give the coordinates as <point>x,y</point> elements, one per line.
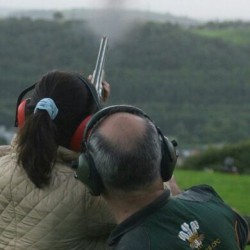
<point>87,172</point>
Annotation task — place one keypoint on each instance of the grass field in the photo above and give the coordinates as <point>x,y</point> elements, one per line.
<point>236,36</point>
<point>234,189</point>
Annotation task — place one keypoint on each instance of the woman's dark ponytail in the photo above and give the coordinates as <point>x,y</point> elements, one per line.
<point>37,147</point>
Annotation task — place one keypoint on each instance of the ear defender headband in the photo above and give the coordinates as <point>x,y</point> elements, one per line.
<point>87,172</point>
<point>76,140</point>
<point>21,106</point>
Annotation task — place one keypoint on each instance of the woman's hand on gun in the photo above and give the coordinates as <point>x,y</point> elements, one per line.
<point>105,89</point>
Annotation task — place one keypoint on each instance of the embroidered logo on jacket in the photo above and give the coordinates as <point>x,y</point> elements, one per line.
<point>189,233</point>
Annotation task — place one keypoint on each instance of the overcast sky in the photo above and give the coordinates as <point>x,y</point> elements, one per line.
<point>199,9</point>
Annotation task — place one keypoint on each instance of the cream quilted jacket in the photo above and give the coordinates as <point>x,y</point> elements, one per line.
<point>61,216</point>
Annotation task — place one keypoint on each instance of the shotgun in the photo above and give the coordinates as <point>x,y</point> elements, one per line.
<point>98,74</point>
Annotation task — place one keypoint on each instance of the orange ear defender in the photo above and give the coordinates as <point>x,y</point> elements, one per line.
<point>21,113</point>
<point>76,140</point>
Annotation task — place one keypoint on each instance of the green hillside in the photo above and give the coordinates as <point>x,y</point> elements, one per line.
<point>235,32</point>
<point>196,88</point>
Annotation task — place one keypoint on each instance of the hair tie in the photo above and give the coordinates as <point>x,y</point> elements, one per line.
<point>49,105</point>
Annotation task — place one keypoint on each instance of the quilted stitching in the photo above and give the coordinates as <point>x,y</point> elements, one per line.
<point>50,218</point>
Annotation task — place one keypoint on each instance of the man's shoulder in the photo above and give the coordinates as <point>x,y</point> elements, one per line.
<point>199,193</point>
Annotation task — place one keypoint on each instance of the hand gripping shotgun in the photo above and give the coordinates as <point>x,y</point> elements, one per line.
<point>98,74</point>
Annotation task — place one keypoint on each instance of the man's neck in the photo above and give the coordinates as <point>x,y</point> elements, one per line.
<point>123,205</point>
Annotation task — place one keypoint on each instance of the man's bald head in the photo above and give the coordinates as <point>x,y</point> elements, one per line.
<point>123,129</point>
<point>126,150</point>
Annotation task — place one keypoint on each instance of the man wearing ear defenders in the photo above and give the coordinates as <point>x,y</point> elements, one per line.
<point>126,161</point>
<point>42,205</point>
